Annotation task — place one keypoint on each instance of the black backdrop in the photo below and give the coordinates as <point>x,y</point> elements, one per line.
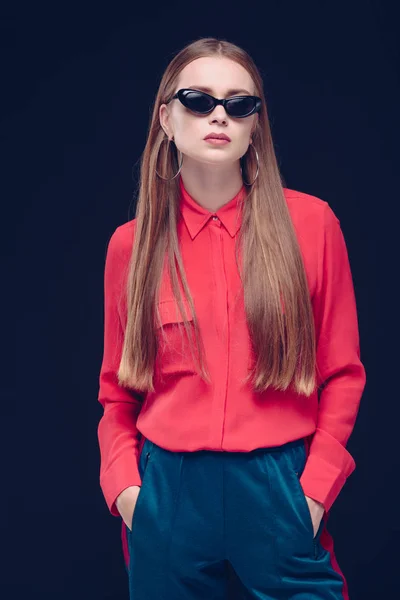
<point>78,84</point>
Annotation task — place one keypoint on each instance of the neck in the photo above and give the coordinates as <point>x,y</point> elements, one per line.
<point>211,187</point>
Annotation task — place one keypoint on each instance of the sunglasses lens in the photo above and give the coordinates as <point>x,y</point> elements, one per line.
<point>239,107</point>
<point>198,102</point>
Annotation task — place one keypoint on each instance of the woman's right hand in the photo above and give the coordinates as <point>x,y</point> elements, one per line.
<point>126,503</point>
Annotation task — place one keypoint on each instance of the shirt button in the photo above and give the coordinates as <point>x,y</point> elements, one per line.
<point>215,218</point>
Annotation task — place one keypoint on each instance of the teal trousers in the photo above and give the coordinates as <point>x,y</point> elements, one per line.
<point>205,518</point>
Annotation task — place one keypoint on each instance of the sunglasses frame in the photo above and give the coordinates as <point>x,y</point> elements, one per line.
<point>181,95</point>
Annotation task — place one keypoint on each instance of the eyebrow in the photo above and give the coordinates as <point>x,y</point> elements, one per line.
<point>209,90</point>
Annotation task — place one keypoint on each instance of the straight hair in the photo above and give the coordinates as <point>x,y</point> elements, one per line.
<point>276,295</point>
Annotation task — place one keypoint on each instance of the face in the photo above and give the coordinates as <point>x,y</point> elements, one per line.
<point>189,129</point>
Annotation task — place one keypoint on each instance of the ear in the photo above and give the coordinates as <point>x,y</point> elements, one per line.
<point>163,115</point>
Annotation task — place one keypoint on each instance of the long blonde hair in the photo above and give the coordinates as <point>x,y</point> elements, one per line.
<point>276,295</point>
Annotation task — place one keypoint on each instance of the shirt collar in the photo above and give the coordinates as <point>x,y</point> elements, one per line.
<point>196,216</point>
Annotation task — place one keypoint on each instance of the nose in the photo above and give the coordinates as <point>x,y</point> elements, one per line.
<point>218,113</point>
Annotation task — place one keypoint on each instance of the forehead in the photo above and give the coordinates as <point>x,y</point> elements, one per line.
<point>219,75</point>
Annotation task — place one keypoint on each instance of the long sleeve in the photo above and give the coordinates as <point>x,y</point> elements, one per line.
<point>117,433</point>
<point>341,371</point>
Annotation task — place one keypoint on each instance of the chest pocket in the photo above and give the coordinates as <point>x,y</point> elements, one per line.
<point>174,355</point>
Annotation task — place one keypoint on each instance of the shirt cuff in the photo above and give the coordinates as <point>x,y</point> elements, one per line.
<point>122,474</point>
<point>328,466</point>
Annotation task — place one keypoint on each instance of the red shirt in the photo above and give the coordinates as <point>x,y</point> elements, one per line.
<point>186,414</point>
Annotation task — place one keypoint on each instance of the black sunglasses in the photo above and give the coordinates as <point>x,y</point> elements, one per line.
<point>202,103</point>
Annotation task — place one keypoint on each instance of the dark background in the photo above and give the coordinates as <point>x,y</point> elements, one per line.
<point>78,85</point>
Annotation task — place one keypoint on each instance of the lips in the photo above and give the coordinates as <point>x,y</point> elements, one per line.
<point>217,136</point>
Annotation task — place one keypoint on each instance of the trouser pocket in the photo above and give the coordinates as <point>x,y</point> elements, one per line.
<point>293,522</point>
<point>297,458</point>
<point>144,463</point>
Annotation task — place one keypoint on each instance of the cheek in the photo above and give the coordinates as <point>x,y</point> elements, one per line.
<point>188,131</point>
<point>245,144</point>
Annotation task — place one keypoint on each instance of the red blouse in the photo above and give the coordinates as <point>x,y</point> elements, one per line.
<point>186,414</point>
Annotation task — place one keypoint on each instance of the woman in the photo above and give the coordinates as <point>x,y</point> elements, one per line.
<point>231,375</point>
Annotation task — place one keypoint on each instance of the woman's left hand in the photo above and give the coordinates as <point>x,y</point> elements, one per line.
<point>317,510</point>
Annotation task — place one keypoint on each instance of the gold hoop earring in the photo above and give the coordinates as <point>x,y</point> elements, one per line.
<point>258,166</point>
<point>180,165</point>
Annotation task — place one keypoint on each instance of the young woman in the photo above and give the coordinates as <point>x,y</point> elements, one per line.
<point>231,375</point>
